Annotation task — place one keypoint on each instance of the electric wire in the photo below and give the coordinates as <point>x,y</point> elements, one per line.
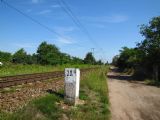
<point>74,18</point>
<point>35,21</point>
<point>65,8</point>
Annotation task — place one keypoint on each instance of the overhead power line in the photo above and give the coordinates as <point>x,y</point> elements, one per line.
<point>66,8</point>
<point>74,18</point>
<point>32,19</point>
<point>77,22</point>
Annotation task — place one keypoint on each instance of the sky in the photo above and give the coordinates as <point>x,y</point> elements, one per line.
<point>111,24</point>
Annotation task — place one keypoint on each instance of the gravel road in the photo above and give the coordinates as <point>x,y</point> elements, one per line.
<point>132,100</point>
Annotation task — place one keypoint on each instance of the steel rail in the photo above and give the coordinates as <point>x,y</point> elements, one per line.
<point>9,81</point>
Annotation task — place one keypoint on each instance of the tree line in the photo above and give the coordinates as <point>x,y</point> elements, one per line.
<point>145,57</point>
<point>47,54</point>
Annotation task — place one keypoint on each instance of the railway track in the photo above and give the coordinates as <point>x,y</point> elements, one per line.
<point>9,81</point>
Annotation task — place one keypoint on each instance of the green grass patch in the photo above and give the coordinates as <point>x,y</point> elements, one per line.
<point>93,93</point>
<point>18,69</point>
<point>44,108</point>
<point>83,95</point>
<point>152,82</point>
<point>47,105</point>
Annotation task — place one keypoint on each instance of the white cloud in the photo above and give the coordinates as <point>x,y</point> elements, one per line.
<point>44,12</point>
<point>64,30</point>
<point>108,19</point>
<point>116,18</point>
<point>55,6</point>
<point>65,40</point>
<point>98,25</point>
<point>24,45</point>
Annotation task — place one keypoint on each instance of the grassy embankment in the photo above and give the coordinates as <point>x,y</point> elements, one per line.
<point>93,93</point>
<point>11,69</point>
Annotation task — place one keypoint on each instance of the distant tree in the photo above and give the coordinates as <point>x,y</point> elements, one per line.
<point>115,60</point>
<point>34,59</point>
<point>76,60</point>
<point>89,59</point>
<point>48,54</point>
<point>20,56</point>
<point>65,58</point>
<point>107,63</point>
<point>5,57</point>
<point>29,59</point>
<point>99,62</point>
<point>127,58</point>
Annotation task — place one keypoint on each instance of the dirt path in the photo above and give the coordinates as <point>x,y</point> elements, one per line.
<point>132,100</point>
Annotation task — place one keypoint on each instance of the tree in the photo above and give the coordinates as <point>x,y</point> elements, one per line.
<point>34,59</point>
<point>30,59</point>
<point>99,62</point>
<point>107,63</point>
<point>5,57</point>
<point>48,54</point>
<point>115,60</point>
<point>20,56</point>
<point>76,60</point>
<point>150,47</point>
<point>127,58</point>
<point>89,59</point>
<point>65,58</point>
<point>145,57</point>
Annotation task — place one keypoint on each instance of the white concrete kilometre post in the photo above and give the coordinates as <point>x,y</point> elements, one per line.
<point>72,81</point>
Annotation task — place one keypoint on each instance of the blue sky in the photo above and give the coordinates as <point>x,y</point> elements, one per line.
<point>111,23</point>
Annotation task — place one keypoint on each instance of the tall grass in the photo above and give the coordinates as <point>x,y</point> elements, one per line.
<point>95,92</point>
<point>12,69</point>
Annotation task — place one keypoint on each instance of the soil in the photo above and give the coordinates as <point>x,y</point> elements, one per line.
<point>131,99</point>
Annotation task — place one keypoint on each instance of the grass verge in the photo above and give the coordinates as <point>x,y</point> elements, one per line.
<point>152,82</point>
<point>93,93</point>
<point>18,69</point>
